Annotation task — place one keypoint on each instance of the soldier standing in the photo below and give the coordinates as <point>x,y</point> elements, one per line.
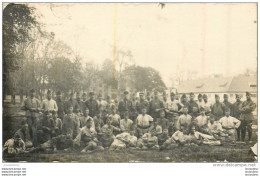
<point>61,105</point>
<point>227,103</point>
<point>126,105</point>
<point>142,102</point>
<point>218,109</point>
<point>92,105</point>
<point>32,106</point>
<point>237,113</point>
<point>247,108</point>
<point>155,106</point>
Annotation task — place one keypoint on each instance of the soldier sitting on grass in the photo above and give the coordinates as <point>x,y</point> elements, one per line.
<point>25,134</point>
<point>148,141</point>
<point>14,145</point>
<point>87,138</point>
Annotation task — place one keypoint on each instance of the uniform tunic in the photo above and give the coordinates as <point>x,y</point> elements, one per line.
<point>92,105</point>
<point>218,110</point>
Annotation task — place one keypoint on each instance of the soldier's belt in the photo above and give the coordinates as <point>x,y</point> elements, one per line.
<point>143,127</point>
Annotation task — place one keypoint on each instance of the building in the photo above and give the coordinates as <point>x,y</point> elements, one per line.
<point>221,85</point>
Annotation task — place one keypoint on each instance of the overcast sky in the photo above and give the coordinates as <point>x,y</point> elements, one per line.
<point>206,38</point>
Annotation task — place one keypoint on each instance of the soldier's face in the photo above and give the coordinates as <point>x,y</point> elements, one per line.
<point>192,97</point>
<point>126,96</point>
<point>225,98</point>
<point>217,99</point>
<point>70,110</point>
<point>144,111</point>
<point>205,99</point>
<point>141,97</point>
<point>91,96</point>
<point>84,97</point>
<point>248,97</point>
<point>227,113</point>
<point>200,98</point>
<point>59,96</point>
<point>185,110</point>
<point>86,112</point>
<point>32,94</point>
<point>193,130</point>
<point>238,98</point>
<point>162,114</point>
<point>25,127</point>
<point>126,116</point>
<point>49,95</point>
<point>172,97</point>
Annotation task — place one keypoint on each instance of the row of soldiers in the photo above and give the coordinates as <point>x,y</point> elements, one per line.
<point>91,123</point>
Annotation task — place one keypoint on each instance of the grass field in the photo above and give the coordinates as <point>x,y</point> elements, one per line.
<point>203,153</point>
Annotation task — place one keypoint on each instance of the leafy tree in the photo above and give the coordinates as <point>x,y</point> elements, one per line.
<point>141,78</point>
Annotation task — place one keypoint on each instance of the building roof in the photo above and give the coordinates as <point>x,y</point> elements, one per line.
<point>220,85</point>
<point>243,83</point>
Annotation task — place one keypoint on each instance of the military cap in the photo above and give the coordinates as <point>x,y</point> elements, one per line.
<point>216,95</point>
<point>225,96</point>
<point>70,105</point>
<point>91,93</point>
<point>141,93</point>
<point>172,94</point>
<point>183,96</point>
<point>191,93</point>
<point>247,93</point>
<point>205,96</point>
<point>84,94</point>
<point>126,92</point>
<point>32,90</point>
<point>48,92</point>
<point>237,96</point>
<point>200,95</point>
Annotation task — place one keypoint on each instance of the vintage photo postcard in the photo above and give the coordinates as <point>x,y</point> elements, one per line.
<point>129,82</point>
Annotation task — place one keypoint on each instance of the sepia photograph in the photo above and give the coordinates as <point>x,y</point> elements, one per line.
<point>129,82</point>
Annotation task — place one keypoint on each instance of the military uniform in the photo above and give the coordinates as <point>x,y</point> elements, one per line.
<point>218,110</point>
<point>155,104</point>
<point>126,105</point>
<point>92,105</point>
<point>32,106</point>
<point>71,125</point>
<point>61,108</point>
<point>246,108</point>
<point>140,104</point>
<point>237,114</point>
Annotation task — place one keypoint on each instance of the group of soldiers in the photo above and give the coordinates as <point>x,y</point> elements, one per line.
<point>85,125</point>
